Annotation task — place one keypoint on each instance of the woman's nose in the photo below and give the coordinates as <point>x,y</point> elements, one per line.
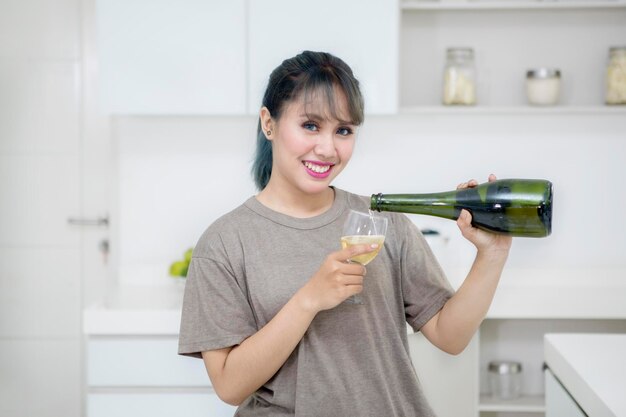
<point>325,146</point>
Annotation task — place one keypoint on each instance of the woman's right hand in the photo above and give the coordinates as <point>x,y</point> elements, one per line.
<point>336,279</point>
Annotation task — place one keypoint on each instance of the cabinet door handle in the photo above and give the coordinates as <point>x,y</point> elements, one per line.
<point>83,221</point>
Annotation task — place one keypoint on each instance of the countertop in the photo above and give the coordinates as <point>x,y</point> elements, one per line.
<point>592,367</point>
<point>522,294</point>
<point>137,310</point>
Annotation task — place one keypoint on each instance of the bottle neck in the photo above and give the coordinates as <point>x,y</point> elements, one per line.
<point>433,204</point>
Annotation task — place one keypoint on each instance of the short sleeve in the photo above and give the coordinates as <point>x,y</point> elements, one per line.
<point>425,288</point>
<point>216,313</point>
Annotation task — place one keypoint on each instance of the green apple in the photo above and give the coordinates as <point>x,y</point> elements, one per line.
<point>179,269</point>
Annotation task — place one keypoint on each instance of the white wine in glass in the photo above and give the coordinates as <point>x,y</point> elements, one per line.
<point>364,259</point>
<point>363,229</point>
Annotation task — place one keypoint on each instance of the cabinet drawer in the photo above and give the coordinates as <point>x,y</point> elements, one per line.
<point>157,405</point>
<point>144,362</point>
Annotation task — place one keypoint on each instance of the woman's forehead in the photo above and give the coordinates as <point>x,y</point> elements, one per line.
<point>321,105</point>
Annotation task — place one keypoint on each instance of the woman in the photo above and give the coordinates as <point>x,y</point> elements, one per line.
<point>264,301</point>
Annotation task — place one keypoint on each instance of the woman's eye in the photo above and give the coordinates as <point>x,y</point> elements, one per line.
<point>344,131</point>
<point>310,126</point>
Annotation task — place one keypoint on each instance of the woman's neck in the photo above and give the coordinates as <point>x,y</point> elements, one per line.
<point>300,206</point>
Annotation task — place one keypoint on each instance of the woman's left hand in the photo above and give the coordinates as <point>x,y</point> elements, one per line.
<point>484,241</point>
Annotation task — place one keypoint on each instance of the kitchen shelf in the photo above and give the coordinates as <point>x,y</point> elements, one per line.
<point>515,110</point>
<point>500,84</point>
<point>524,404</point>
<point>513,4</point>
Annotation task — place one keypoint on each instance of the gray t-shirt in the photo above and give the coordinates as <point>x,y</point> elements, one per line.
<point>353,359</point>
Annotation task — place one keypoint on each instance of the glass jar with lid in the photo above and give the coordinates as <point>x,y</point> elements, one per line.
<point>505,379</point>
<point>616,76</point>
<point>543,86</point>
<point>459,84</point>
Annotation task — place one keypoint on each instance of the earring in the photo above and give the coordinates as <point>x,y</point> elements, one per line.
<point>269,132</point>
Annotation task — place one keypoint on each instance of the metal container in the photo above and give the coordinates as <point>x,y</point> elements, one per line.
<point>505,379</point>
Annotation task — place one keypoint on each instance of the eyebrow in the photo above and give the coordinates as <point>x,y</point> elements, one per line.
<point>318,117</point>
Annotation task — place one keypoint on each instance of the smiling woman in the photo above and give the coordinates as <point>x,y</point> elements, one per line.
<point>265,300</point>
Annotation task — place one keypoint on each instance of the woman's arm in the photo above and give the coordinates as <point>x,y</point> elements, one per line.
<point>237,372</point>
<point>452,328</point>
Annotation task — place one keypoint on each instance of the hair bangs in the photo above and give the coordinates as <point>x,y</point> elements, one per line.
<point>323,92</point>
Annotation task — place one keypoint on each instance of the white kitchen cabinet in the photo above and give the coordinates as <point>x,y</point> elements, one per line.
<point>559,402</point>
<point>157,405</point>
<point>136,376</point>
<point>364,34</point>
<point>131,349</point>
<point>591,372</point>
<point>214,57</point>
<point>522,339</point>
<point>465,377</point>
<point>444,376</point>
<point>164,57</point>
<point>141,361</point>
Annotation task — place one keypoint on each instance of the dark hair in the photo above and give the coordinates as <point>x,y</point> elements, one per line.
<point>302,76</point>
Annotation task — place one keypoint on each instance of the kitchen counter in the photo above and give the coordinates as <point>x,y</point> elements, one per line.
<point>137,310</point>
<point>592,368</point>
<point>144,309</point>
<point>556,293</point>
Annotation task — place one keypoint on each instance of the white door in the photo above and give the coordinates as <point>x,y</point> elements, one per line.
<point>40,287</point>
<point>48,172</point>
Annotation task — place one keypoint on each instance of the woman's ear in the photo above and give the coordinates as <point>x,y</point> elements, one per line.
<point>267,123</point>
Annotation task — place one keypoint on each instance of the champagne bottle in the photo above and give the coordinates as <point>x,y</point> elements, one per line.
<point>516,207</point>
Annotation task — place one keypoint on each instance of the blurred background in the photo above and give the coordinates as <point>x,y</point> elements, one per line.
<point>127,127</point>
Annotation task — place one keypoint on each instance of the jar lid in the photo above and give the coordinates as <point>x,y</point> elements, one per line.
<point>505,367</point>
<point>543,73</point>
<point>460,51</point>
<point>617,51</point>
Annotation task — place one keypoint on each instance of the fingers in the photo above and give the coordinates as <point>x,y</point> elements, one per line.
<point>465,218</point>
<point>352,280</point>
<point>354,269</point>
<point>352,251</point>
<point>464,221</point>
<point>469,184</point>
<point>473,183</point>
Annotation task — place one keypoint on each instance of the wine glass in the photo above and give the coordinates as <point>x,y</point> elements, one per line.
<point>363,228</point>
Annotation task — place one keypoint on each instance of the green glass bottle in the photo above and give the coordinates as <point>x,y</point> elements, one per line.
<point>516,207</point>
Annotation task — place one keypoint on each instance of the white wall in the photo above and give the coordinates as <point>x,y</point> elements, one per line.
<point>177,175</point>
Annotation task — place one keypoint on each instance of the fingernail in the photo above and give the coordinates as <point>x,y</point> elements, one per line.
<point>374,245</point>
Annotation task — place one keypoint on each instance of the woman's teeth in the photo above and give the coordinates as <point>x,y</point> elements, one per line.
<point>320,169</point>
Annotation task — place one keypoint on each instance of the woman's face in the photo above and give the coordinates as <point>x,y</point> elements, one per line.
<point>310,147</point>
